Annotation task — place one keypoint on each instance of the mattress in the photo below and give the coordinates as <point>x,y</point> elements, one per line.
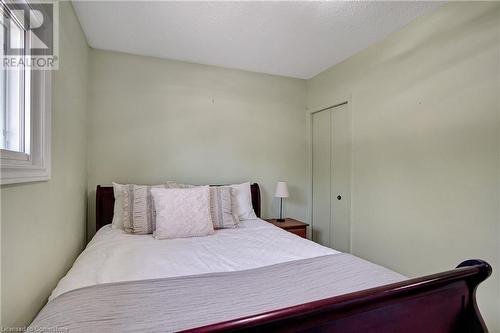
<point>115,256</point>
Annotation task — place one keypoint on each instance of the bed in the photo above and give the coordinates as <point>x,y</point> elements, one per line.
<point>253,278</point>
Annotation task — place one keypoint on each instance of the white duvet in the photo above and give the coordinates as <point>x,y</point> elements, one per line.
<point>114,255</point>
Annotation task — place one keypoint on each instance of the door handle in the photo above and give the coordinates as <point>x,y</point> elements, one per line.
<point>339,197</point>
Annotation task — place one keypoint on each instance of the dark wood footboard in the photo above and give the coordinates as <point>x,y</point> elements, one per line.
<point>442,302</point>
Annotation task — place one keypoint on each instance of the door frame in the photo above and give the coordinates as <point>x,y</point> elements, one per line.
<point>347,101</point>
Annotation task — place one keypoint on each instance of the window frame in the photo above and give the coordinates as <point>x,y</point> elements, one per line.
<point>20,167</point>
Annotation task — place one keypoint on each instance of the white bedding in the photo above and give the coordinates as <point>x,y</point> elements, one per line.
<point>114,255</point>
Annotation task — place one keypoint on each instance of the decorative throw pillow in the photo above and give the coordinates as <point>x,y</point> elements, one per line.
<point>138,213</point>
<point>223,208</point>
<point>182,212</point>
<point>243,198</point>
<point>117,222</point>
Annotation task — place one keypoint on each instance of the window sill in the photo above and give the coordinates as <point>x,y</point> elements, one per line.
<point>17,167</point>
<point>28,177</point>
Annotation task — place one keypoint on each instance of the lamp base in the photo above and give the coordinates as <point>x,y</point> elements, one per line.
<point>280,220</point>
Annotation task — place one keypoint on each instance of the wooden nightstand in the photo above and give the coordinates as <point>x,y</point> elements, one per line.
<point>291,225</point>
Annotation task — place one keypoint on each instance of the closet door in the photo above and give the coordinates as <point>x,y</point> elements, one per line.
<point>340,232</point>
<point>321,130</point>
<point>331,176</point>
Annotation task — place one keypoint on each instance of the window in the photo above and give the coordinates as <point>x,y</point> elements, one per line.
<point>15,86</point>
<point>24,108</point>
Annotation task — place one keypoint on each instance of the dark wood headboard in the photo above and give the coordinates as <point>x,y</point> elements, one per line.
<point>105,203</point>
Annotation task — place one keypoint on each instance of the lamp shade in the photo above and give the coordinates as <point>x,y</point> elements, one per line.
<point>281,190</point>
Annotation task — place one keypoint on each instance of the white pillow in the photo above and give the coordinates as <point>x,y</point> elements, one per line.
<point>117,222</point>
<point>243,198</point>
<point>182,212</point>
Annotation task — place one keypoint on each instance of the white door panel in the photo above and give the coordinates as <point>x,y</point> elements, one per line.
<point>321,177</point>
<point>340,233</point>
<point>331,176</point>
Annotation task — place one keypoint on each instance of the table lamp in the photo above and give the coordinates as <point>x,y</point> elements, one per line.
<point>281,192</point>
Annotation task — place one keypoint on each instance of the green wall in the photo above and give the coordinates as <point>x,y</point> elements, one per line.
<point>43,223</point>
<point>425,151</point>
<point>152,120</point>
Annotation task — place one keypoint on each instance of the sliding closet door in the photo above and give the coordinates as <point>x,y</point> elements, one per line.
<point>321,123</point>
<point>340,233</point>
<point>331,177</point>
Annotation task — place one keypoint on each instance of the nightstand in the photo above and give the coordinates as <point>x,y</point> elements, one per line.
<point>291,225</point>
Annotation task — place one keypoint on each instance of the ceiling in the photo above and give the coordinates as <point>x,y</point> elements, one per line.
<point>297,39</point>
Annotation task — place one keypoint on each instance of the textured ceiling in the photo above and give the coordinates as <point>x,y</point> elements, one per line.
<point>297,39</point>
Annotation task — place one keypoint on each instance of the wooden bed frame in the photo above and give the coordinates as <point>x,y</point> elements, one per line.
<point>442,302</point>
